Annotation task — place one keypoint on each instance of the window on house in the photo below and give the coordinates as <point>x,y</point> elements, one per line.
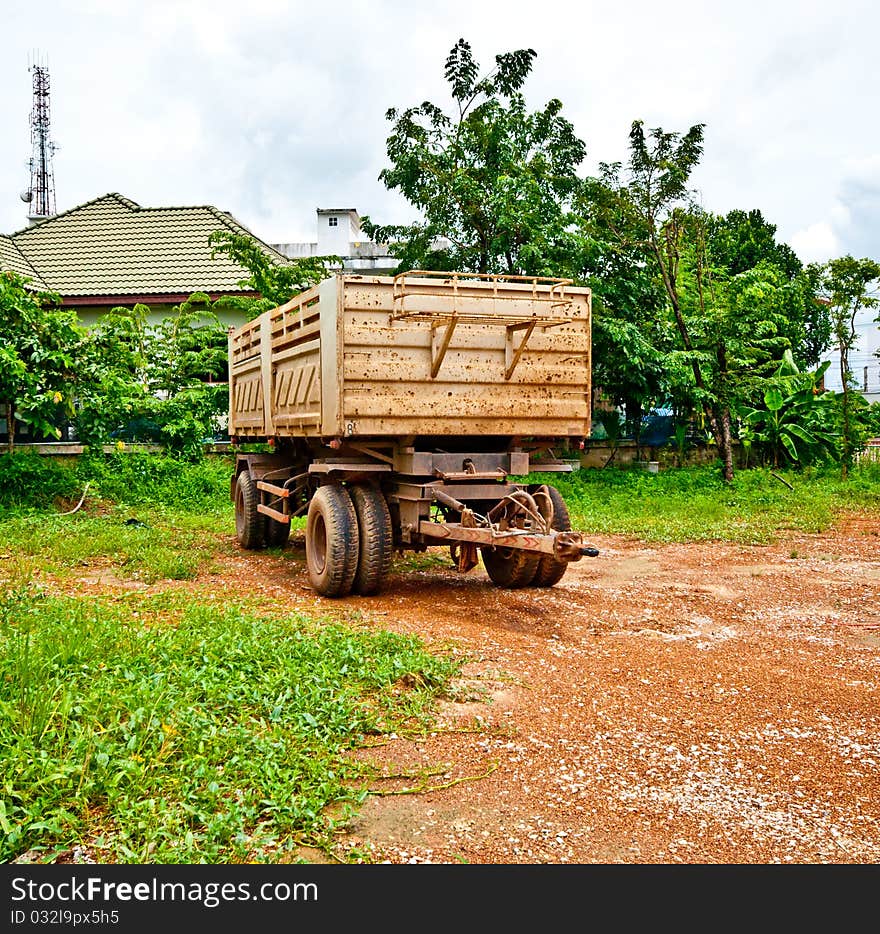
<point>332,221</point>
<point>865,383</point>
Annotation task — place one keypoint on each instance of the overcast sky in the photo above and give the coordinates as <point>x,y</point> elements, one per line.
<point>269,109</point>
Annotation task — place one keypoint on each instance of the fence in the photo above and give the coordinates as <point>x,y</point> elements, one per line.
<point>871,454</point>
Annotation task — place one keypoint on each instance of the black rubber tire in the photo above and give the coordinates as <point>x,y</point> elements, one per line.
<point>332,541</point>
<point>250,529</point>
<point>510,567</point>
<point>277,533</point>
<point>376,540</point>
<point>550,570</point>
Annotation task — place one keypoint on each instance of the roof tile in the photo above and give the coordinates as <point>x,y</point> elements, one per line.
<point>112,246</point>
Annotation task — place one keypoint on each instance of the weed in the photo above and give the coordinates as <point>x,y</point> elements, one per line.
<point>34,481</point>
<point>217,738</point>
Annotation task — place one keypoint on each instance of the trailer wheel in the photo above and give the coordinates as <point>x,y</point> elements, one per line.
<point>376,539</point>
<point>509,567</point>
<point>332,541</point>
<point>551,570</point>
<point>250,529</point>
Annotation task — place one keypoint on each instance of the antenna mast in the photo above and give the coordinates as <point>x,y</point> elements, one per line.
<point>41,194</point>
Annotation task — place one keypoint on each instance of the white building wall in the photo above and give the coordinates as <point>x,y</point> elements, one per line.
<point>339,234</point>
<point>863,359</point>
<point>337,230</point>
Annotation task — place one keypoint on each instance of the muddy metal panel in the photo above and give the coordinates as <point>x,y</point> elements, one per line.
<point>424,357</point>
<point>246,411</point>
<point>275,371</point>
<point>418,354</point>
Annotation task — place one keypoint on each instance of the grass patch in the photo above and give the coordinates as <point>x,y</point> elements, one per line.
<point>694,504</point>
<point>174,727</point>
<point>137,544</point>
<point>173,731</point>
<point>33,481</point>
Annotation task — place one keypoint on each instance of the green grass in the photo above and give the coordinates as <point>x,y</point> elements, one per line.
<point>171,730</point>
<point>33,481</point>
<point>172,727</point>
<point>693,504</point>
<point>139,544</point>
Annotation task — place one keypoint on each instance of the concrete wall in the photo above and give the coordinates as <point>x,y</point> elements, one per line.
<point>337,230</point>
<point>597,454</point>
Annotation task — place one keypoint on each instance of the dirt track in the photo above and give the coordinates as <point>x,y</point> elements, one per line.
<point>676,703</point>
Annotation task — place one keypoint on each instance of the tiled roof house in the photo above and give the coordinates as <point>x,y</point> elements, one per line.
<point>111,251</point>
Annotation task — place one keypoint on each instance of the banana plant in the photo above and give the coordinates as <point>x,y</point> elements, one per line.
<point>793,423</point>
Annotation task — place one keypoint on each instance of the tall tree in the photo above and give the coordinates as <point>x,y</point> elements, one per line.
<point>491,179</point>
<point>642,211</point>
<point>630,336</point>
<point>850,285</point>
<point>737,325</point>
<point>741,240</point>
<point>733,298</point>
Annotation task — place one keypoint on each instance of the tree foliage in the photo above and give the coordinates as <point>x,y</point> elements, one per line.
<point>793,423</point>
<point>144,380</point>
<point>275,282</point>
<point>708,303</point>
<point>38,342</point>
<point>742,240</point>
<point>849,286</point>
<point>492,180</point>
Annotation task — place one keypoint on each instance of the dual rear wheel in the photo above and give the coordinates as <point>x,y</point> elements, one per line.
<point>349,537</point>
<point>349,540</point>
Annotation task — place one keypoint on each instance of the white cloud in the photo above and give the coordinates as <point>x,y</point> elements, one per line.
<point>272,108</point>
<point>816,243</point>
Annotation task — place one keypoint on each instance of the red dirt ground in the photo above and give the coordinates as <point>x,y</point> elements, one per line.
<point>698,703</point>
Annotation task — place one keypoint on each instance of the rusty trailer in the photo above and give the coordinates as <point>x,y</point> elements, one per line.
<point>407,412</point>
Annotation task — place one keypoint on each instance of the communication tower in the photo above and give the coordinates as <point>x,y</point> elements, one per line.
<point>40,196</point>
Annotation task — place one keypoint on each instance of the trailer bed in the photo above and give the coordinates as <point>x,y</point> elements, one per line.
<point>419,354</point>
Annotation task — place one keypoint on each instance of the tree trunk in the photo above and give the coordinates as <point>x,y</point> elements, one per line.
<point>845,453</point>
<point>669,283</point>
<point>726,449</point>
<point>634,417</point>
<point>725,446</point>
<point>846,341</point>
<point>10,427</point>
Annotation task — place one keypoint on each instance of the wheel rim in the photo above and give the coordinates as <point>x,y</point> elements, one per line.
<point>319,543</point>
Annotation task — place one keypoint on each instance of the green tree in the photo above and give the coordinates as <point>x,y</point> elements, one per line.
<point>742,240</point>
<point>110,387</point>
<point>38,342</point>
<point>153,381</point>
<point>276,282</point>
<point>630,336</point>
<point>646,214</point>
<point>850,285</point>
<point>737,323</point>
<point>716,300</point>
<point>490,178</point>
